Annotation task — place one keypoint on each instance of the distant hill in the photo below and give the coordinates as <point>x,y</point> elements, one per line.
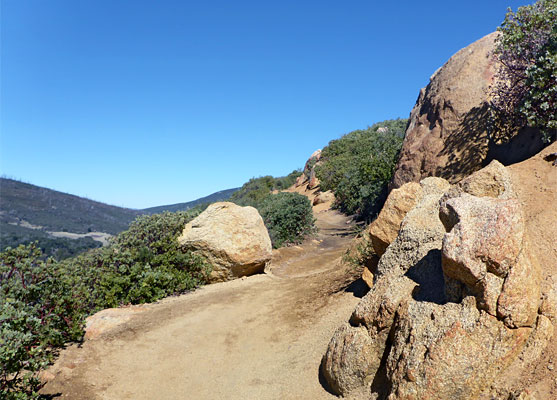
<point>29,213</point>
<point>57,211</point>
<point>217,196</point>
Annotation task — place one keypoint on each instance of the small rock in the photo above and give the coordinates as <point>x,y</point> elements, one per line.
<point>324,197</point>
<point>367,277</point>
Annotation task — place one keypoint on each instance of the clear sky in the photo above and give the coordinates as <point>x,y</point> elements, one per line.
<point>143,103</point>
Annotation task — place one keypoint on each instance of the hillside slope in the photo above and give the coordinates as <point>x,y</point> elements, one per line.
<point>65,224</point>
<point>217,196</point>
<point>56,211</point>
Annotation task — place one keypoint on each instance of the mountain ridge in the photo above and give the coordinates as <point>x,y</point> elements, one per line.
<point>33,213</point>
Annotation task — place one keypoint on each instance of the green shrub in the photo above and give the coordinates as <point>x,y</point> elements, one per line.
<point>525,93</point>
<point>44,303</point>
<point>358,166</point>
<point>143,264</point>
<point>254,192</point>
<point>288,218</point>
<point>38,312</point>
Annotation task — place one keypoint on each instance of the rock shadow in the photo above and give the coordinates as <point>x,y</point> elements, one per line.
<point>428,274</point>
<point>323,381</point>
<point>466,148</point>
<point>358,288</point>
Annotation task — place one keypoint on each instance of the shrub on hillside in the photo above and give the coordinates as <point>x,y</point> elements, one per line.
<point>44,303</point>
<point>288,218</point>
<point>38,312</point>
<point>526,91</point>
<point>143,264</point>
<point>253,192</point>
<point>358,166</point>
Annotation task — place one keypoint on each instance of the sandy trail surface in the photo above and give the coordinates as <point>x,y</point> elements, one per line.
<point>260,337</point>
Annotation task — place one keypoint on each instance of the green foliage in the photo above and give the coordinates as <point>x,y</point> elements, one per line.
<point>36,315</point>
<point>43,303</point>
<point>288,218</point>
<point>253,192</point>
<point>358,166</point>
<point>525,93</point>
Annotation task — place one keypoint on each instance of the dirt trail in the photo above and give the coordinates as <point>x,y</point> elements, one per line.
<point>260,337</point>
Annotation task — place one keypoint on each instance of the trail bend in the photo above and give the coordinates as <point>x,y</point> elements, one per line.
<point>260,337</point>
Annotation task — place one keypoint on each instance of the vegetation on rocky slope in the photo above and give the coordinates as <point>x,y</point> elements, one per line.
<point>58,247</point>
<point>358,166</point>
<point>526,92</point>
<point>253,192</point>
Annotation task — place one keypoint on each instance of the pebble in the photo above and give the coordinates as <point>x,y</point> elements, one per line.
<point>550,367</point>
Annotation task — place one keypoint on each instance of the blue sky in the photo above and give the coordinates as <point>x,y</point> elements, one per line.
<point>145,103</point>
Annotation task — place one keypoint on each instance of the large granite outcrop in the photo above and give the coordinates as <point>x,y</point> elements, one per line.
<point>447,135</point>
<point>456,299</point>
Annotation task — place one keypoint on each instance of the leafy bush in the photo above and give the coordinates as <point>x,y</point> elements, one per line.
<point>525,93</point>
<point>37,313</point>
<point>358,166</point>
<point>288,218</point>
<point>44,303</point>
<point>253,192</point>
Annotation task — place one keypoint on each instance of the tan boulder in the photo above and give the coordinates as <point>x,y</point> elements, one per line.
<point>312,160</point>
<point>233,239</point>
<point>313,181</point>
<point>449,352</point>
<point>324,197</point>
<point>487,252</point>
<point>520,296</point>
<point>492,181</point>
<point>109,319</point>
<point>367,277</point>
<point>355,348</point>
<point>300,180</point>
<point>384,230</point>
<point>411,266</point>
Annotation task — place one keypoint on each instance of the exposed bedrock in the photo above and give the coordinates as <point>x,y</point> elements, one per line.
<point>456,298</point>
